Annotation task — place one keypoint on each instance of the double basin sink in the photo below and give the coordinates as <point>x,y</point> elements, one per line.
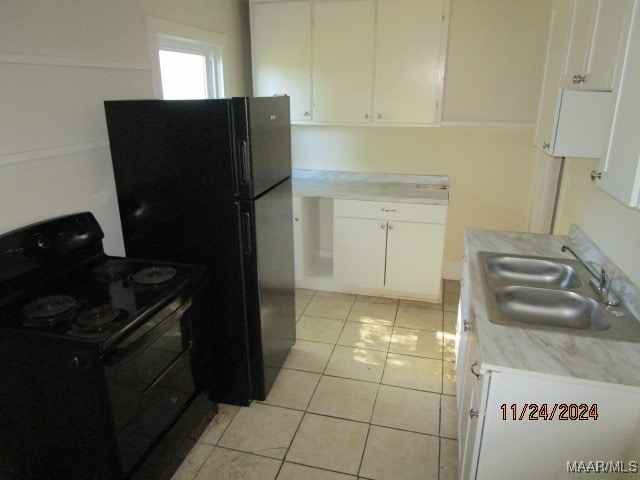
<point>551,294</point>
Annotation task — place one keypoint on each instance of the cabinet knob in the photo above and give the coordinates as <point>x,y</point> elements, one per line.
<point>390,227</point>
<point>306,113</point>
<point>366,116</point>
<point>595,174</point>
<point>379,116</point>
<point>467,326</point>
<point>382,225</point>
<point>473,413</point>
<point>545,145</point>
<point>388,210</point>
<point>577,79</point>
<point>297,218</point>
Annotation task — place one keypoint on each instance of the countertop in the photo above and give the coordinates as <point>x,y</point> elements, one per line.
<point>425,189</point>
<point>547,352</point>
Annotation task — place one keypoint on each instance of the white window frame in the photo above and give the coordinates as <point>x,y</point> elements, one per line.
<point>166,35</point>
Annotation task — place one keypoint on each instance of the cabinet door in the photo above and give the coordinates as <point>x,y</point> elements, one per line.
<point>583,14</point>
<point>507,444</point>
<point>281,53</point>
<point>620,165</point>
<point>470,387</point>
<point>462,331</point>
<point>595,42</point>
<point>343,43</point>
<point>414,257</point>
<point>408,41</point>
<point>359,251</point>
<point>560,19</point>
<point>607,44</point>
<point>297,247</point>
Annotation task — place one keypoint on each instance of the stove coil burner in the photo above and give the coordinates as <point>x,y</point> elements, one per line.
<point>97,319</point>
<point>110,270</point>
<point>49,310</point>
<point>154,275</point>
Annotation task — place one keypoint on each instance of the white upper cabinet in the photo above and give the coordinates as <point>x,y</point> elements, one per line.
<point>352,62</point>
<point>343,53</point>
<point>620,163</point>
<point>594,44</point>
<point>281,54</point>
<point>408,61</point>
<point>586,41</point>
<point>556,52</point>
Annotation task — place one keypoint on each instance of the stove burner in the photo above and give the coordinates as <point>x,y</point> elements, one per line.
<point>48,310</point>
<point>111,269</point>
<point>97,319</point>
<point>154,275</point>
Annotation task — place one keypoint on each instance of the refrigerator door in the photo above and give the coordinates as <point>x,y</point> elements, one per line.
<point>173,169</point>
<point>262,144</point>
<point>267,249</point>
<point>174,175</point>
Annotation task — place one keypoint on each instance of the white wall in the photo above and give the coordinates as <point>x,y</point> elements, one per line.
<point>614,227</point>
<point>493,75</point>
<point>58,63</point>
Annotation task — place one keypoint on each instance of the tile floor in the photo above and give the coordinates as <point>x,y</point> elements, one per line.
<point>367,392</point>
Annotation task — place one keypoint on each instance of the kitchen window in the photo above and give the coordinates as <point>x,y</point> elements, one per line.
<point>187,61</point>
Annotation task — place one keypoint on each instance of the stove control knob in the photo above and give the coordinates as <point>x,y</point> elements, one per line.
<point>43,242</point>
<point>174,400</point>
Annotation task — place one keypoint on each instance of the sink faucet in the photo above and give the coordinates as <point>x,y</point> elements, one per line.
<point>602,281</point>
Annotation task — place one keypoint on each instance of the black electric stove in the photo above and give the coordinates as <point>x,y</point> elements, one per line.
<point>99,355</point>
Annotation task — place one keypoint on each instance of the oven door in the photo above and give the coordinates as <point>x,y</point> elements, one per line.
<point>149,379</point>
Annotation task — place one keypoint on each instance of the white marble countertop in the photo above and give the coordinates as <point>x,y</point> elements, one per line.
<point>541,351</point>
<point>426,189</point>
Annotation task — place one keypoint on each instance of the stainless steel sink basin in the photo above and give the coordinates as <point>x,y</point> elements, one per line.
<point>533,271</point>
<point>553,294</point>
<point>553,308</point>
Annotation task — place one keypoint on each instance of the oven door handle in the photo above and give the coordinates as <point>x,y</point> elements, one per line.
<point>119,354</point>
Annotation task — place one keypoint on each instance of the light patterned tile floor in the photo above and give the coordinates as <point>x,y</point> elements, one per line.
<point>368,392</point>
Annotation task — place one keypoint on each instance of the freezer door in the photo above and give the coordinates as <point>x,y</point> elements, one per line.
<point>262,144</point>
<point>267,250</point>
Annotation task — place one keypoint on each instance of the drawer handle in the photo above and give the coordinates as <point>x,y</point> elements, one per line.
<point>473,413</point>
<point>475,364</point>
<point>388,210</point>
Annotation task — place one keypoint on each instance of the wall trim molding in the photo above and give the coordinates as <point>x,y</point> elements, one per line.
<point>70,62</point>
<point>509,125</point>
<point>11,158</point>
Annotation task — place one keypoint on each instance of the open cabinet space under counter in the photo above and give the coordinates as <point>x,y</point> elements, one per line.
<point>370,233</point>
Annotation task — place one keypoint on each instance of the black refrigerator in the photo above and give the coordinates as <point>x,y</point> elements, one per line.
<point>208,182</point>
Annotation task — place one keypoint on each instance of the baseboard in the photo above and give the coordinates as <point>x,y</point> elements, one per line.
<point>452,270</point>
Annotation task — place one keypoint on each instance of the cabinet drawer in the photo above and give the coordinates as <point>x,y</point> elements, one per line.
<point>407,212</point>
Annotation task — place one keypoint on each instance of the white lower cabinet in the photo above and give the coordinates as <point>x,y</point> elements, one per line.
<point>518,439</point>
<point>389,246</point>
<point>298,239</point>
<point>359,247</point>
<point>528,425</point>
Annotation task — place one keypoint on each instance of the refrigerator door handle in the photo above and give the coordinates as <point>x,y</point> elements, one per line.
<point>246,233</point>
<point>244,162</point>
